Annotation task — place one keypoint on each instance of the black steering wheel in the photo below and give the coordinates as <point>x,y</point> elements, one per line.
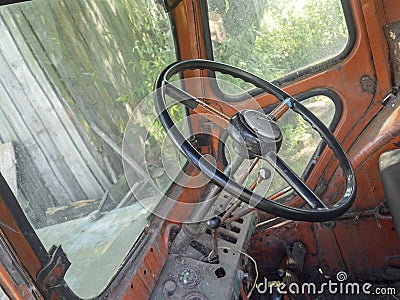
<point>259,141</point>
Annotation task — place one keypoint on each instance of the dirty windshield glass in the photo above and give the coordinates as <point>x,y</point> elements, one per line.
<point>280,36</point>
<point>72,74</point>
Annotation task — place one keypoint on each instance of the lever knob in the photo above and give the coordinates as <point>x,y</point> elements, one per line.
<point>214,222</point>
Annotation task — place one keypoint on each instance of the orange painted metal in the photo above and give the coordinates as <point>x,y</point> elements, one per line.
<point>141,271</point>
<point>375,19</point>
<point>16,283</point>
<point>361,132</point>
<point>362,244</point>
<point>12,289</point>
<point>373,241</point>
<point>17,239</point>
<point>279,111</point>
<point>189,30</point>
<point>212,114</point>
<point>382,135</point>
<point>391,8</point>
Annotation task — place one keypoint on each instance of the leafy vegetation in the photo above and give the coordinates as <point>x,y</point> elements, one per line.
<point>153,48</point>
<point>276,37</point>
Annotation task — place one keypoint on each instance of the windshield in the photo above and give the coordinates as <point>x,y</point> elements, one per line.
<point>282,37</point>
<point>72,74</point>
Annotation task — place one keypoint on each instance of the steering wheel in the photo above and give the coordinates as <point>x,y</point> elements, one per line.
<point>259,135</point>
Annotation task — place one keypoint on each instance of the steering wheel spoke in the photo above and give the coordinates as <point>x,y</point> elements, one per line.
<point>195,104</point>
<point>294,181</point>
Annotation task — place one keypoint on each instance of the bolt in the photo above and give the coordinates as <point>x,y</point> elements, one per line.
<point>52,281</point>
<point>264,173</point>
<point>242,275</point>
<point>169,287</point>
<point>281,273</point>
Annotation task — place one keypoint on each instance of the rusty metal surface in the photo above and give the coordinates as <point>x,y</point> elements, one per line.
<point>140,271</point>
<point>381,135</point>
<point>374,17</point>
<point>391,10</point>
<point>373,240</point>
<point>269,247</point>
<point>19,233</point>
<point>51,278</point>
<point>368,84</point>
<point>14,279</point>
<point>392,32</point>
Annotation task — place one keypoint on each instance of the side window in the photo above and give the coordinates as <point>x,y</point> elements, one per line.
<point>280,36</point>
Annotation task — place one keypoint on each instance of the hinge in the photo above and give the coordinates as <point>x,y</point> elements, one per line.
<point>51,278</point>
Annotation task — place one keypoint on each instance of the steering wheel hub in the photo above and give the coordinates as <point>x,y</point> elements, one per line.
<point>255,134</point>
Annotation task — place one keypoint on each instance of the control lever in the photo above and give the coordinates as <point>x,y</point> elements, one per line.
<point>213,224</point>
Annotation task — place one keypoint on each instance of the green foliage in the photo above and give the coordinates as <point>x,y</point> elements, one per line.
<point>276,37</point>
<point>299,35</point>
<point>273,38</point>
<point>299,139</point>
<point>153,49</point>
<point>295,132</point>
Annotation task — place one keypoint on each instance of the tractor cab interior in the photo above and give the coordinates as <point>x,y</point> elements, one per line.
<point>193,149</point>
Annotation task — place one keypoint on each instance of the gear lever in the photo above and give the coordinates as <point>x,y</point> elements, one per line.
<point>213,224</point>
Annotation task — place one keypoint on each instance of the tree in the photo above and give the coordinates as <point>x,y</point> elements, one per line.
<point>276,37</point>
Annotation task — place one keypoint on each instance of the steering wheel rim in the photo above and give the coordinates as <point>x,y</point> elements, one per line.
<point>320,212</point>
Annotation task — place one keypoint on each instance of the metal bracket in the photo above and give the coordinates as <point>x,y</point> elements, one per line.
<point>52,275</point>
<point>296,254</point>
